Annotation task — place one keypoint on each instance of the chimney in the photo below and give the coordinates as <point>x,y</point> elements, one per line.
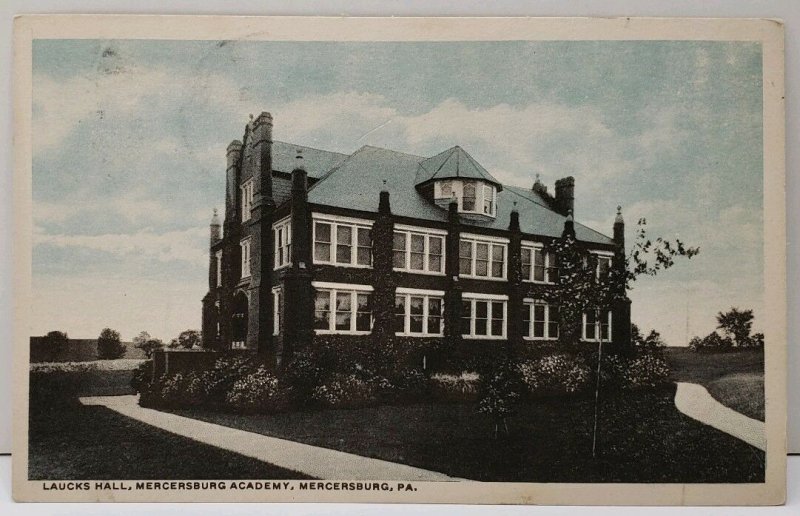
<point>514,223</point>
<point>215,233</point>
<point>300,223</point>
<point>565,195</point>
<point>262,145</point>
<point>538,186</point>
<point>234,154</point>
<point>619,228</point>
<point>569,227</point>
<point>383,203</point>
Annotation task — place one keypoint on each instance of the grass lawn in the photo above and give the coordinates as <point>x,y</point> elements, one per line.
<point>735,379</point>
<point>643,438</point>
<point>69,441</point>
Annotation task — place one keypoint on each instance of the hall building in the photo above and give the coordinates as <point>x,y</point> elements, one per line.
<point>382,243</point>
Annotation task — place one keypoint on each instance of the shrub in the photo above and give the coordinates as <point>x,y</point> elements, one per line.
<point>713,342</point>
<point>500,394</point>
<point>555,374</point>
<point>449,387</point>
<point>256,391</point>
<point>109,346</point>
<point>647,370</point>
<point>344,391</point>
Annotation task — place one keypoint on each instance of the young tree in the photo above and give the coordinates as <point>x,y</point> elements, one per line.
<point>188,339</point>
<point>737,324</point>
<point>57,342</point>
<point>109,346</point>
<point>147,343</point>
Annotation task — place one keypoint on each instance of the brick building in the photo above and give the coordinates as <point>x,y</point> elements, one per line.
<point>381,243</point>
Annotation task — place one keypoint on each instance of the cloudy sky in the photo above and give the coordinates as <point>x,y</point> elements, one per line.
<point>129,143</point>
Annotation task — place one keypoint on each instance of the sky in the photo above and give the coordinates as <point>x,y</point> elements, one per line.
<point>129,142</point>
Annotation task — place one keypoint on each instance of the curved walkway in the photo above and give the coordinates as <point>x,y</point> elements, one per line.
<point>695,401</point>
<point>322,463</point>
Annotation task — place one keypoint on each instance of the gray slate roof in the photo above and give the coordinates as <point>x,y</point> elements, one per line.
<point>357,181</point>
<point>455,162</point>
<point>317,162</point>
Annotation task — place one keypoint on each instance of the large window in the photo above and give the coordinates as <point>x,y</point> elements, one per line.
<point>282,234</point>
<point>219,268</point>
<point>343,309</point>
<point>540,320</point>
<point>603,265</point>
<point>473,196</point>
<point>481,258</point>
<point>594,328</point>
<point>419,312</point>
<point>245,244</point>
<point>483,317</point>
<point>538,265</point>
<point>247,199</point>
<point>418,251</point>
<point>277,310</point>
<point>343,243</point>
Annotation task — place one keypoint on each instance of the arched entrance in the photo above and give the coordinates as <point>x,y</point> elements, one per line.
<point>239,321</point>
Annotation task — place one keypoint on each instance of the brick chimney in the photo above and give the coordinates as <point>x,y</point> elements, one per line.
<point>565,195</point>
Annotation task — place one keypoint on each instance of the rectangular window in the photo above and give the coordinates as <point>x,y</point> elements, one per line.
<point>343,310</point>
<point>415,251</point>
<point>277,310</point>
<point>538,265</point>
<point>540,320</point>
<point>247,199</point>
<point>245,244</point>
<point>282,234</point>
<point>419,312</point>
<point>482,259</point>
<point>342,243</point>
<point>603,266</point>
<point>219,268</point>
<point>592,328</point>
<point>484,318</point>
<point>469,195</point>
<point>488,200</point>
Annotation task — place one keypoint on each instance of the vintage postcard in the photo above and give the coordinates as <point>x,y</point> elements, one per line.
<point>441,260</point>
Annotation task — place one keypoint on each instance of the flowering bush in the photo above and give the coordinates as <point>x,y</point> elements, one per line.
<point>344,391</point>
<point>461,387</point>
<point>500,394</point>
<point>257,390</point>
<point>645,371</point>
<point>557,373</point>
<point>120,364</point>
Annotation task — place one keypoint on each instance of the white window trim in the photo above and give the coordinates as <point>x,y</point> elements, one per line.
<point>603,255</point>
<point>483,239</point>
<point>529,303</point>
<point>408,231</point>
<point>420,229</point>
<point>533,246</point>
<point>218,256</point>
<point>598,328</point>
<point>343,288</point>
<point>335,221</point>
<point>247,195</point>
<point>286,223</point>
<point>407,293</point>
<point>457,191</point>
<point>472,297</point>
<point>277,293</point>
<point>245,243</point>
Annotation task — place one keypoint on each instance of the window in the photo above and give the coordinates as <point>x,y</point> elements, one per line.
<point>483,317</point>
<point>592,328</point>
<point>603,265</point>
<point>343,309</point>
<point>245,257</point>
<point>540,320</point>
<point>482,259</point>
<point>247,199</point>
<point>277,310</point>
<point>282,234</point>
<point>418,251</point>
<point>468,200</point>
<point>488,200</point>
<point>342,243</point>
<point>538,265</point>
<point>419,312</point>
<point>446,189</point>
<point>219,268</point>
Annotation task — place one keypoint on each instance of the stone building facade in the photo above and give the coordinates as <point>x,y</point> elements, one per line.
<point>382,244</point>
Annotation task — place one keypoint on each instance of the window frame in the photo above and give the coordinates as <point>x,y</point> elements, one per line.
<point>426,295</point>
<point>277,310</point>
<point>283,226</point>
<point>333,289</point>
<point>597,328</point>
<point>473,299</point>
<point>529,334</point>
<point>491,241</point>
<point>602,255</point>
<point>335,222</point>
<point>246,270</point>
<point>247,199</point>
<point>428,234</point>
<point>218,257</point>
<point>547,257</point>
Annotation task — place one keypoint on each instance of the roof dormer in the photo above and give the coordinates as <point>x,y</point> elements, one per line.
<point>455,175</point>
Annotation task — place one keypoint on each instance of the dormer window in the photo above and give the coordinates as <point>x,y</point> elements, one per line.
<point>473,196</point>
<point>468,200</point>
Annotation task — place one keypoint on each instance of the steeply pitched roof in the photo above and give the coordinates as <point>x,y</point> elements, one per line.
<point>317,162</point>
<point>357,181</point>
<point>455,162</point>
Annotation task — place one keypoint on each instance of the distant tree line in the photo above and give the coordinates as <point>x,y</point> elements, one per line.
<point>734,331</point>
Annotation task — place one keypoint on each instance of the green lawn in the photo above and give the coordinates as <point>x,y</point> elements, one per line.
<point>643,438</point>
<point>69,441</point>
<point>735,379</point>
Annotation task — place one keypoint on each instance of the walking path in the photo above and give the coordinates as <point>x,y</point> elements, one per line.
<point>695,401</point>
<point>313,461</point>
